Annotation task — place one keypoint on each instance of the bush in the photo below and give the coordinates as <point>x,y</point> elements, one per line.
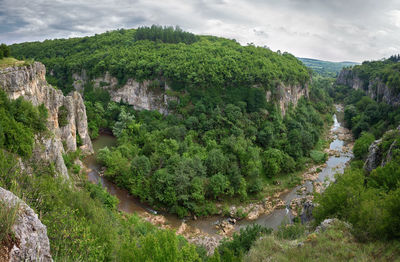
<point>8,216</point>
<point>62,116</point>
<point>362,144</point>
<point>233,250</point>
<point>290,232</point>
<point>318,157</point>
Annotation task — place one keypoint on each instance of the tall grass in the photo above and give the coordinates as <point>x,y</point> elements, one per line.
<point>8,215</point>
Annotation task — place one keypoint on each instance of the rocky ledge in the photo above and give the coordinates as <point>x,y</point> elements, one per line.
<point>29,82</point>
<point>31,241</point>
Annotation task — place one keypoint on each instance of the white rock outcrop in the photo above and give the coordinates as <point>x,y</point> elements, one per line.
<point>30,83</point>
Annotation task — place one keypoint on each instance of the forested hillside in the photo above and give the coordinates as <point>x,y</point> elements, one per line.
<point>223,138</point>
<point>386,70</point>
<point>325,68</point>
<point>152,53</point>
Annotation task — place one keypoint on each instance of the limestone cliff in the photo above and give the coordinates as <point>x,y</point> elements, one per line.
<point>143,95</point>
<point>288,95</point>
<point>30,83</point>
<point>376,157</point>
<point>375,89</point>
<point>32,243</point>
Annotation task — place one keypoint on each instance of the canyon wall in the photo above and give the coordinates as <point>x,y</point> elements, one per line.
<point>29,82</point>
<point>375,89</point>
<point>143,95</point>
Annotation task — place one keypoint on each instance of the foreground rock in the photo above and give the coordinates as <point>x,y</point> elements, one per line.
<point>30,83</point>
<point>30,233</point>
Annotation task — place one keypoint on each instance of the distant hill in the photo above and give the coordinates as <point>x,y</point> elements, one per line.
<point>325,68</point>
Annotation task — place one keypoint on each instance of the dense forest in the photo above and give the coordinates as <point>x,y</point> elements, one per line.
<point>325,68</point>
<point>81,218</point>
<point>223,139</point>
<point>207,62</point>
<point>369,201</point>
<point>386,70</point>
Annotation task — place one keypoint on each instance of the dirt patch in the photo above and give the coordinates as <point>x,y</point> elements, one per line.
<point>6,246</point>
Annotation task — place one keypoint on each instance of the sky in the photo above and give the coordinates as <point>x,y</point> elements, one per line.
<point>334,30</point>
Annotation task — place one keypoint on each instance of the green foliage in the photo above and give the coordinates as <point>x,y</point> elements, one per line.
<point>337,243</point>
<point>4,51</point>
<point>371,207</point>
<point>165,34</point>
<point>62,116</point>
<point>325,68</point>
<point>290,231</point>
<point>212,154</point>
<point>362,144</point>
<point>362,114</point>
<point>82,222</point>
<point>19,121</point>
<point>318,157</point>
<point>206,62</point>
<point>235,249</point>
<point>8,215</point>
<point>385,70</point>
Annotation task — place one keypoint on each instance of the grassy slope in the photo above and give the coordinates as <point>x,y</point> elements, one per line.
<point>335,244</point>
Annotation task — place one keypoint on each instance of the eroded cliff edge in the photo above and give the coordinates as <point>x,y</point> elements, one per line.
<point>156,94</point>
<point>29,82</point>
<point>376,88</point>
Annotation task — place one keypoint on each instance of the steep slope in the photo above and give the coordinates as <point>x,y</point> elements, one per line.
<point>67,120</point>
<point>379,79</point>
<point>140,70</point>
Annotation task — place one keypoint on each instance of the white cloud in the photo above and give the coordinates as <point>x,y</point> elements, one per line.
<point>333,30</point>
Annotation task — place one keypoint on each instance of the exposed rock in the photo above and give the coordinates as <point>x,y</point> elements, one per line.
<point>148,95</point>
<point>374,157</point>
<point>290,95</point>
<point>306,212</point>
<point>28,230</point>
<point>375,89</point>
<point>30,83</point>
<point>327,223</point>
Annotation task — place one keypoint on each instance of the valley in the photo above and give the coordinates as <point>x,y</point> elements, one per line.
<point>157,144</point>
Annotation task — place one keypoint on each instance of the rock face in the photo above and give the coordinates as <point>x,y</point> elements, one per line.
<point>29,82</point>
<point>374,157</point>
<point>306,212</point>
<point>290,95</point>
<point>378,158</point>
<point>375,89</point>
<point>31,234</point>
<point>146,95</point>
<point>149,96</point>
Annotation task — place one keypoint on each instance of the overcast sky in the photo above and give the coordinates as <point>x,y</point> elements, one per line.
<point>336,30</point>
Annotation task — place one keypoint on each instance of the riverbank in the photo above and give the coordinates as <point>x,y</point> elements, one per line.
<point>270,211</point>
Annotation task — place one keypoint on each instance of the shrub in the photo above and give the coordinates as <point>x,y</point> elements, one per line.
<point>362,144</point>
<point>62,116</point>
<point>8,216</point>
<point>290,232</point>
<point>318,156</point>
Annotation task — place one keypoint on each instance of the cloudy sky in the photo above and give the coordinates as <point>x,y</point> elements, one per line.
<point>336,30</point>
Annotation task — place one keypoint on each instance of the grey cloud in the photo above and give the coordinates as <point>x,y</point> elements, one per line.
<point>333,30</point>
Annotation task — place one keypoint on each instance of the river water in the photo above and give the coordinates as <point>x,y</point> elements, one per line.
<point>127,203</point>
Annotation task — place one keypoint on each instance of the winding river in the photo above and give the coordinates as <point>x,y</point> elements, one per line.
<point>336,163</point>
